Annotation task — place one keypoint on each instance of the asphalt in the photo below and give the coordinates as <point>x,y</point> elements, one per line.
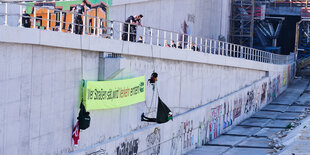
<point>252,136</point>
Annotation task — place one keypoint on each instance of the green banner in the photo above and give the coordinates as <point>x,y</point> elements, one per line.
<point>114,94</point>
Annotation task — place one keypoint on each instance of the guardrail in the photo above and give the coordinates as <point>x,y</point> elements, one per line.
<point>111,29</point>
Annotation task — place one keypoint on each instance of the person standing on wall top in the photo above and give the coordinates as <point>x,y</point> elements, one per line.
<point>133,21</point>
<point>79,10</point>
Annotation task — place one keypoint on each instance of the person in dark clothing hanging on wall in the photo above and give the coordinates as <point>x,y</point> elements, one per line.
<point>26,19</point>
<point>79,10</point>
<point>133,21</point>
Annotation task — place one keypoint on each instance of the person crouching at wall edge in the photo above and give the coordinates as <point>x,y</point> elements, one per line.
<point>133,21</point>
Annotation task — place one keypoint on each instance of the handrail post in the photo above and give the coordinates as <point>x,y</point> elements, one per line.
<point>196,47</point>
<point>219,48</point>
<point>143,39</point>
<point>226,51</point>
<point>183,39</point>
<point>190,42</point>
<point>171,37</point>
<point>84,25</point>
<point>60,22</point>
<point>98,27</point>
<point>128,32</point>
<point>157,40</point>
<point>165,33</point>
<point>120,31</point>
<point>211,46</point>
<point>6,14</point>
<point>20,15</point>
<point>201,45</point>
<point>206,46</point>
<point>72,24</point>
<point>48,21</point>
<point>177,39</point>
<point>151,39</point>
<point>34,17</point>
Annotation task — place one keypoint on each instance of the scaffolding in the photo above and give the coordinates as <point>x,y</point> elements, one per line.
<point>242,22</point>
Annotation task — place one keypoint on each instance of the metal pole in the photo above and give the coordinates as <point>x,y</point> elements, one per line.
<point>48,21</point>
<point>6,14</point>
<point>157,38</point>
<point>84,25</point>
<point>252,24</point>
<point>143,39</point>
<point>151,39</point>
<point>20,15</point>
<point>98,26</point>
<point>165,33</point>
<point>201,44</point>
<point>183,39</point>
<point>34,17</point>
<point>128,30</point>
<point>60,18</point>
<point>206,46</point>
<point>196,47</point>
<point>210,46</point>
<point>72,24</point>
<point>120,31</point>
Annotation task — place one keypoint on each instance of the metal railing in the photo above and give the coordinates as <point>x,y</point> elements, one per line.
<point>100,27</point>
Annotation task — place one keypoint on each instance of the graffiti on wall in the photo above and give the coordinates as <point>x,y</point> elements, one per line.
<point>263,94</point>
<point>257,97</point>
<point>202,132</point>
<point>187,134</point>
<point>237,108</point>
<point>176,142</point>
<point>128,147</point>
<point>284,78</point>
<point>227,117</point>
<point>269,94</point>
<point>274,88</point>
<point>249,101</point>
<point>214,126</point>
<point>153,142</point>
<point>99,152</point>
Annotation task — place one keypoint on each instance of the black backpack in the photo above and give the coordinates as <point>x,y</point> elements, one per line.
<point>84,118</point>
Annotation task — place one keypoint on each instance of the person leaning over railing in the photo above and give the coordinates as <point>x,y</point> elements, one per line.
<point>79,10</point>
<point>133,21</point>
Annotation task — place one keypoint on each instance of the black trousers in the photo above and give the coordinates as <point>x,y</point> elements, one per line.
<point>147,119</point>
<point>78,25</point>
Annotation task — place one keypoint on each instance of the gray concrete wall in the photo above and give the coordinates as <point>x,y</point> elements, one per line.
<point>205,18</point>
<point>41,72</point>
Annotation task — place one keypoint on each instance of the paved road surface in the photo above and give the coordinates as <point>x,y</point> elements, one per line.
<point>250,136</point>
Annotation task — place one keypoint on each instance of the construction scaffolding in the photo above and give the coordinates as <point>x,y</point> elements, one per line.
<point>244,13</point>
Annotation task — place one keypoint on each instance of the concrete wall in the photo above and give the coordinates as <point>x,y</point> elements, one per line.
<point>41,72</point>
<point>205,18</point>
